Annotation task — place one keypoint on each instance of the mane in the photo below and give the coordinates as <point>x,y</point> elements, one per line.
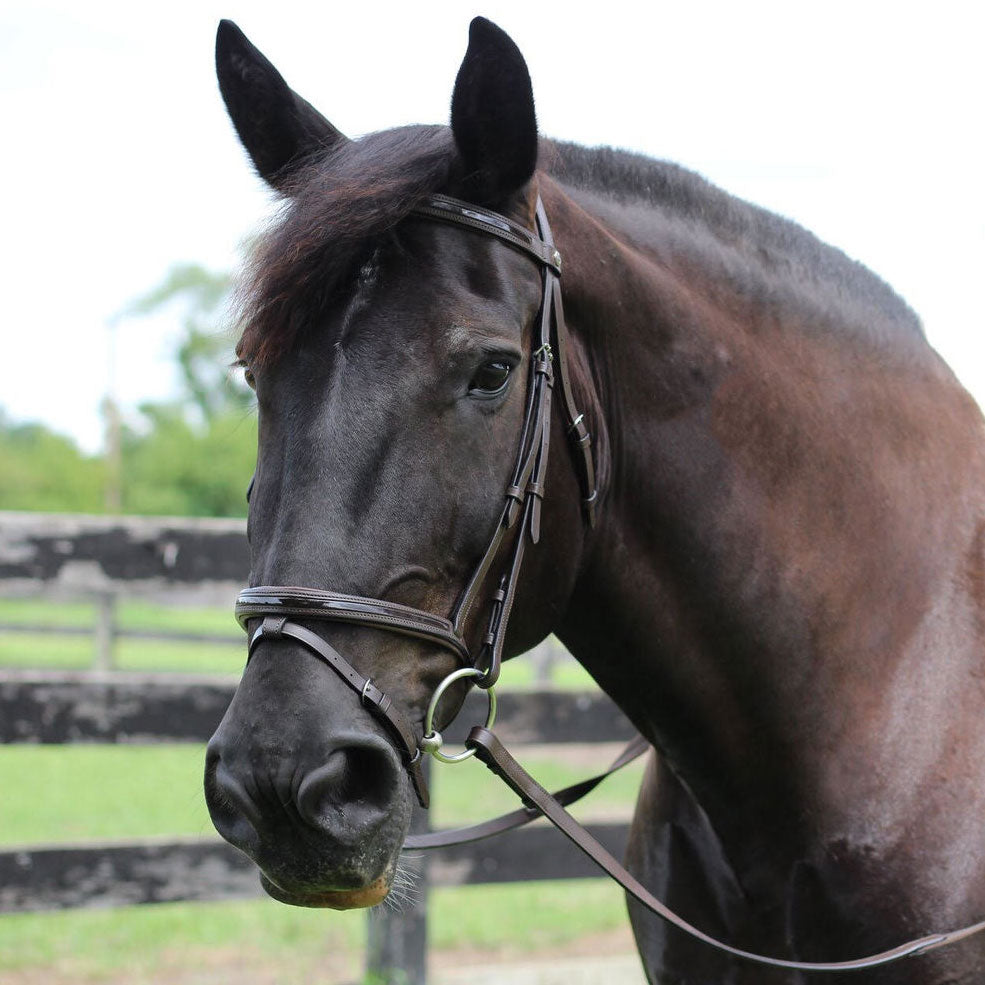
<point>762,243</point>
<point>336,211</point>
<point>342,205</point>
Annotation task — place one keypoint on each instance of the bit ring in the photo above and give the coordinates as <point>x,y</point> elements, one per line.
<point>431,743</point>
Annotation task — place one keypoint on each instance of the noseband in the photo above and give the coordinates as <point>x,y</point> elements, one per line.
<point>279,606</point>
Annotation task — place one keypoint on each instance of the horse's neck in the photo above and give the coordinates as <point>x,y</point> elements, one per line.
<point>787,587</point>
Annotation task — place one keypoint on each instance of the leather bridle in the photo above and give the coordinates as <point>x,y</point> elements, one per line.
<point>276,609</point>
<point>278,606</point>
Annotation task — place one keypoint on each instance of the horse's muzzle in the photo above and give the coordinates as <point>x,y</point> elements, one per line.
<point>317,798</point>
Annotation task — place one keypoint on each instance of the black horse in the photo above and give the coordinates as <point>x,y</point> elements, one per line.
<point>785,586</point>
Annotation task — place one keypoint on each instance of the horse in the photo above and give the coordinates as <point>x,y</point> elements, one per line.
<point>783,583</point>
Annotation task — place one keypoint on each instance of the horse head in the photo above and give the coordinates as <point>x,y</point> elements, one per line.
<point>393,364</point>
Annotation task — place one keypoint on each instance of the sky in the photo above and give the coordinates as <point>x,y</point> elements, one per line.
<point>862,121</point>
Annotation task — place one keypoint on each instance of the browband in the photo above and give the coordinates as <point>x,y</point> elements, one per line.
<point>446,209</point>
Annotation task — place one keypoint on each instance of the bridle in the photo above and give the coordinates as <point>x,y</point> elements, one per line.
<point>279,607</point>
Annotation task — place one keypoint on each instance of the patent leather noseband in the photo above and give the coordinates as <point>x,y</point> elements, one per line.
<point>279,607</point>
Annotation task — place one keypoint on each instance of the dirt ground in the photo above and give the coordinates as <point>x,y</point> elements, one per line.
<point>605,959</point>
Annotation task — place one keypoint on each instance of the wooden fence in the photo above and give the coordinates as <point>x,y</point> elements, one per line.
<point>200,562</point>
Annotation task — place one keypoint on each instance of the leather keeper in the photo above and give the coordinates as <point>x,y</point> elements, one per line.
<point>415,770</point>
<point>273,627</point>
<point>372,695</point>
<point>582,435</point>
<point>535,517</point>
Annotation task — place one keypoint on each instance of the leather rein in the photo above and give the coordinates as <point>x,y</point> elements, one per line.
<point>275,609</point>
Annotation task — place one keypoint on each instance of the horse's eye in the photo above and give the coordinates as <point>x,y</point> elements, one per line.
<point>247,373</point>
<point>491,378</point>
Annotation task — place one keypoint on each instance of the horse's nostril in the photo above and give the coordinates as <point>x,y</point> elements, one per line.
<point>356,785</point>
<point>233,811</point>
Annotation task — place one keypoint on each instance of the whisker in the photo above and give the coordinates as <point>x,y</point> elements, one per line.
<point>406,890</point>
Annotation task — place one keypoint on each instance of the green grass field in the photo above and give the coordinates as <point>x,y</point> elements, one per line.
<point>73,793</point>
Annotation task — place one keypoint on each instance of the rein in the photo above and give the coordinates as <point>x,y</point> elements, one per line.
<point>277,608</point>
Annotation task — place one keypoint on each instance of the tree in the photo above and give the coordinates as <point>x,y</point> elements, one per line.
<point>190,456</point>
<point>42,470</point>
<point>203,354</point>
<point>181,468</point>
<point>194,454</point>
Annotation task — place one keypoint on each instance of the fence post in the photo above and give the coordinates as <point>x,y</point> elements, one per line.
<point>397,944</point>
<point>105,631</point>
<point>544,658</point>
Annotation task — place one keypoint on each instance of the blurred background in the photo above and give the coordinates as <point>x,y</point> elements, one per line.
<point>128,203</point>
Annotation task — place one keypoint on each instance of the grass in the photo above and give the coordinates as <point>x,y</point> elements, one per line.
<point>55,652</point>
<point>79,792</point>
<point>75,793</point>
<point>139,943</point>
<point>72,793</point>
<point>130,614</point>
<point>94,945</point>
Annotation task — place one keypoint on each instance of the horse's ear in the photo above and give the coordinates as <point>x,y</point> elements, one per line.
<point>278,128</point>
<point>492,114</point>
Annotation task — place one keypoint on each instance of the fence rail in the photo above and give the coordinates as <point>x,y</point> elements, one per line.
<point>201,562</point>
<point>175,870</point>
<point>78,706</point>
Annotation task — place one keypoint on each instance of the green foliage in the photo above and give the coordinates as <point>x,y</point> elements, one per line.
<point>183,468</point>
<point>189,457</point>
<point>201,291</point>
<point>196,456</point>
<point>41,470</point>
<point>204,352</point>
